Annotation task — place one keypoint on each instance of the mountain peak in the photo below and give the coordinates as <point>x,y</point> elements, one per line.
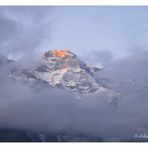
<point>60,59</point>
<point>56,53</point>
<point>65,59</point>
<point>64,69</point>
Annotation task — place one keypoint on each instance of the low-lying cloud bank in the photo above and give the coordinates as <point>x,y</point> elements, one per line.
<point>59,110</point>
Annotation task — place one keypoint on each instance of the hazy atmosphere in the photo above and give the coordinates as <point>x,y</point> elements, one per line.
<point>113,39</point>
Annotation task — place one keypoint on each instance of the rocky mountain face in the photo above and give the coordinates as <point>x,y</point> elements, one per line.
<point>63,69</point>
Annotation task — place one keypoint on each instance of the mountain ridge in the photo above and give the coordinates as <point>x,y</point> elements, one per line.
<point>64,70</point>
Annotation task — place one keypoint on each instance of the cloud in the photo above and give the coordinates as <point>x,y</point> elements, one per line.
<point>59,110</point>
<point>132,66</point>
<point>105,57</point>
<point>128,76</point>
<point>24,30</point>
<point>25,106</point>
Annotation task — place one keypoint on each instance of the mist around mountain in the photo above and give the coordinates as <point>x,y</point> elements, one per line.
<point>42,112</point>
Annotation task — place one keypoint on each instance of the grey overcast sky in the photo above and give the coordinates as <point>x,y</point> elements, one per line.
<point>80,29</point>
